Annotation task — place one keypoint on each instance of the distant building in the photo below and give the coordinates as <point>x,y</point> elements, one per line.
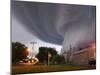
<point>80,57</point>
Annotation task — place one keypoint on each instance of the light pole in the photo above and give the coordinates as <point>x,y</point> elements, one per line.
<point>33,46</point>
<point>49,56</point>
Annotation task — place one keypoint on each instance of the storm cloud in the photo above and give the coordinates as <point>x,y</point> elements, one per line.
<point>57,23</point>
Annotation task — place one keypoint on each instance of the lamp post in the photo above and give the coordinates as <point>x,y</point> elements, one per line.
<point>33,46</point>
<point>49,56</point>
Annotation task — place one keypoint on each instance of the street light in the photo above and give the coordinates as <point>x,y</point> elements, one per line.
<point>33,46</point>
<point>27,49</point>
<point>49,56</point>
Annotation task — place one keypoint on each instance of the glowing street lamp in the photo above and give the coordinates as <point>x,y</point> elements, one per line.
<point>27,49</point>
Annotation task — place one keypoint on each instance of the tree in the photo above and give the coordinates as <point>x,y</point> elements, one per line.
<point>19,52</point>
<point>58,59</point>
<point>43,54</point>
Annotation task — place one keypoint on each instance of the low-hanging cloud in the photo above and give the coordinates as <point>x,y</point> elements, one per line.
<point>57,23</point>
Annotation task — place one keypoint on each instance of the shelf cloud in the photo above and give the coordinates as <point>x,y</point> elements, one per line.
<point>61,24</point>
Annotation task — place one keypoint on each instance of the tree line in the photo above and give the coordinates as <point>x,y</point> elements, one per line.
<point>19,52</point>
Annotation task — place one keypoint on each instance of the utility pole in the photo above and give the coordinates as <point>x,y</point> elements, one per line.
<point>32,47</point>
<point>48,60</point>
<point>49,56</point>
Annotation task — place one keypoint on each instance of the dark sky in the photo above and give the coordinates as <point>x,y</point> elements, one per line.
<point>61,24</point>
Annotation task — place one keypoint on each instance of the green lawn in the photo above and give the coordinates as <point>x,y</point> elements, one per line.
<point>18,69</point>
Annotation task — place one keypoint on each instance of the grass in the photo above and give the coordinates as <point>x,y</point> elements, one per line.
<point>20,69</point>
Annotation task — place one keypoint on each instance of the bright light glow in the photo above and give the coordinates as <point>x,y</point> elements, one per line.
<point>36,60</point>
<point>28,49</point>
<point>93,45</point>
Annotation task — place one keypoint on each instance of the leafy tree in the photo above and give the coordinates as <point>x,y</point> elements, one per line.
<point>58,59</point>
<point>19,52</point>
<point>43,54</point>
